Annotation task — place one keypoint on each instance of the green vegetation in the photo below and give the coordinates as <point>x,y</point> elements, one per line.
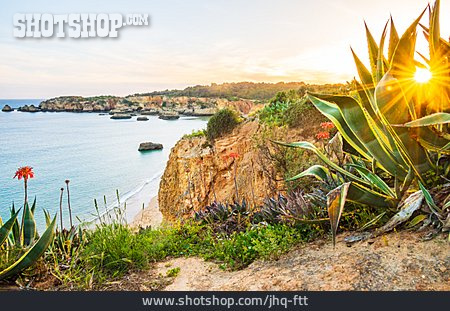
<point>20,244</point>
<point>112,250</point>
<point>396,125</point>
<point>199,133</point>
<point>173,272</point>
<point>286,109</point>
<point>221,123</point>
<point>248,90</point>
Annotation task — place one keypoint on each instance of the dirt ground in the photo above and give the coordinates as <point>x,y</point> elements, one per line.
<point>397,261</point>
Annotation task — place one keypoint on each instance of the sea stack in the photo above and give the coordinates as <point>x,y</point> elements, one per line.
<point>147,146</point>
<point>169,115</point>
<point>7,108</point>
<point>121,116</point>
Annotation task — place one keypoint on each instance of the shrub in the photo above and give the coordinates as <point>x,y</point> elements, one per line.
<point>199,133</point>
<point>223,122</point>
<point>274,113</point>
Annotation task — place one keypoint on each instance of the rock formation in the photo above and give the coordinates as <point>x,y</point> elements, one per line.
<point>121,116</point>
<point>146,105</point>
<point>169,115</point>
<point>197,174</point>
<point>30,108</point>
<point>7,108</point>
<point>147,146</point>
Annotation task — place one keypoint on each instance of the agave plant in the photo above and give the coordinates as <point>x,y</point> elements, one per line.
<point>22,238</point>
<point>396,125</point>
<point>294,208</point>
<point>225,218</point>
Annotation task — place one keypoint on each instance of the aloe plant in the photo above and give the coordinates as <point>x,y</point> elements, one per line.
<point>395,125</point>
<point>24,237</point>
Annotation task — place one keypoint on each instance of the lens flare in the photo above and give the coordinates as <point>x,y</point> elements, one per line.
<point>422,75</point>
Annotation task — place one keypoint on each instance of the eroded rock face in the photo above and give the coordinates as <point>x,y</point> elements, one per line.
<point>148,146</point>
<point>7,108</point>
<point>197,175</point>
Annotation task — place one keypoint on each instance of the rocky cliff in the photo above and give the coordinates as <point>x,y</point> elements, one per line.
<point>198,173</point>
<point>195,106</point>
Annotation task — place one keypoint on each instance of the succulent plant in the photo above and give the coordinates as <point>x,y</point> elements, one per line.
<point>395,122</point>
<point>23,237</point>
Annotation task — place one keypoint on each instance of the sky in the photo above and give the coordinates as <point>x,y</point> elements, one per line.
<point>196,42</point>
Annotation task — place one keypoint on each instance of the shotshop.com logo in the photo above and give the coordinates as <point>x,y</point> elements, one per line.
<point>89,25</point>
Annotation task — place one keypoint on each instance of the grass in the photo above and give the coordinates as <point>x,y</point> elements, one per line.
<point>111,251</point>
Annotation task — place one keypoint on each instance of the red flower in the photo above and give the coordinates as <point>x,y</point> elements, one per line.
<point>327,125</point>
<point>233,155</point>
<point>24,172</point>
<point>323,135</point>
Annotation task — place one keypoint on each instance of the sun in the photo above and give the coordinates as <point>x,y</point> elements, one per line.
<point>422,75</point>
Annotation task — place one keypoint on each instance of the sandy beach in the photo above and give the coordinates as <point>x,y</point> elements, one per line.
<point>150,216</point>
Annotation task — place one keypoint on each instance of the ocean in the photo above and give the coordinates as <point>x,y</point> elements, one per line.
<point>98,155</point>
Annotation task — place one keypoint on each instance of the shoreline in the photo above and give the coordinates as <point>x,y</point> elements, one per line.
<point>150,216</point>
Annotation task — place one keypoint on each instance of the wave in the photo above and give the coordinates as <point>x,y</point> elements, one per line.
<point>128,195</point>
<point>131,210</point>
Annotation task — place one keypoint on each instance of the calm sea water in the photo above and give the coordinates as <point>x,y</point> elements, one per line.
<point>98,155</point>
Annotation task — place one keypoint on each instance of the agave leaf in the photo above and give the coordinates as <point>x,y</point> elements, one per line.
<point>7,227</point>
<point>363,72</point>
<point>373,53</point>
<point>29,226</point>
<point>402,59</point>
<point>372,222</point>
<point>374,180</point>
<point>335,202</point>
<point>431,140</point>
<point>360,194</point>
<point>434,29</point>
<point>33,206</point>
<point>357,122</point>
<point>318,171</point>
<point>16,228</point>
<point>307,145</point>
<point>432,119</point>
<point>33,254</point>
<point>429,200</point>
<point>48,219</point>
<point>408,207</point>
<point>393,104</point>
<point>332,112</point>
<point>393,41</point>
<point>417,220</point>
<point>446,205</point>
<point>381,62</point>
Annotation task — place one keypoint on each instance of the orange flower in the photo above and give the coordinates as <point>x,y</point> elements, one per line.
<point>24,172</point>
<point>327,125</point>
<point>323,135</point>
